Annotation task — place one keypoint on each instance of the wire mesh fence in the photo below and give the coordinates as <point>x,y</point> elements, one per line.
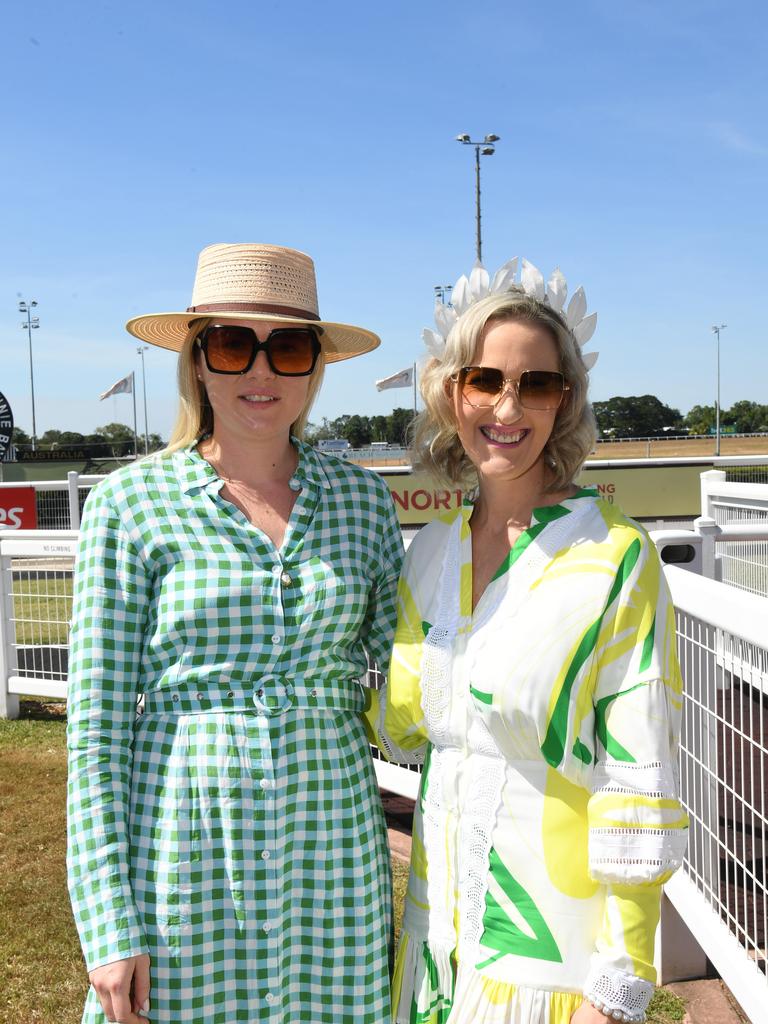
<point>41,602</point>
<point>724,768</point>
<point>743,564</point>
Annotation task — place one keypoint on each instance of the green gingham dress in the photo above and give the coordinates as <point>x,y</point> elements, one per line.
<point>232,828</point>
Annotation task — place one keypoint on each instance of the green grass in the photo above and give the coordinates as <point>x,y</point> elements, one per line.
<point>42,609</point>
<point>42,976</point>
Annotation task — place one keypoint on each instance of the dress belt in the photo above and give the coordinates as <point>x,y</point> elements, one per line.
<point>268,695</point>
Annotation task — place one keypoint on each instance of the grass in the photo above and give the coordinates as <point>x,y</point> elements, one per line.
<point>42,607</point>
<point>42,977</point>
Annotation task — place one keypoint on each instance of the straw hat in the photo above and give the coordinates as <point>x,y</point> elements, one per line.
<point>251,281</point>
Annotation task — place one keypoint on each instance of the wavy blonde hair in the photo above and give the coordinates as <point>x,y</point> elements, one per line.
<point>195,416</point>
<point>436,443</point>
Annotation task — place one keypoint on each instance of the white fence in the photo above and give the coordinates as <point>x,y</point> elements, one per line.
<point>721,892</point>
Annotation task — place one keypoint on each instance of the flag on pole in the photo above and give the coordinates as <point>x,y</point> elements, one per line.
<point>122,387</point>
<point>403,379</point>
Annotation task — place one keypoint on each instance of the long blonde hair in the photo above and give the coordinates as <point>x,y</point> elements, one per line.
<point>436,443</point>
<point>195,416</point>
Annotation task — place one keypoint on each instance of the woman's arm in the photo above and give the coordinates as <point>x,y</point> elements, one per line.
<point>112,592</point>
<point>637,827</point>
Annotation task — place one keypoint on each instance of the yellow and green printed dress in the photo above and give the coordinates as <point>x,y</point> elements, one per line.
<point>548,814</point>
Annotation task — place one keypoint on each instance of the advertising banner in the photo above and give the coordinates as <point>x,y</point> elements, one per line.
<point>651,491</point>
<point>18,510</point>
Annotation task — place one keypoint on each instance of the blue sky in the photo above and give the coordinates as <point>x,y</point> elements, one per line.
<point>633,154</point>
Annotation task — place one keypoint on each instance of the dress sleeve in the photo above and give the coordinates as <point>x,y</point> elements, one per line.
<point>108,625</point>
<point>398,726</point>
<point>379,625</point>
<point>637,827</point>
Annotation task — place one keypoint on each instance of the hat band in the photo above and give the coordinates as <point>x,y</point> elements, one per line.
<point>253,307</point>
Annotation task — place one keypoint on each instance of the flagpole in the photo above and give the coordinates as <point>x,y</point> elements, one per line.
<point>135,430</point>
<point>414,389</point>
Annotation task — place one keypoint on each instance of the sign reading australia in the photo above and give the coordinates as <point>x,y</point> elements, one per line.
<point>6,425</point>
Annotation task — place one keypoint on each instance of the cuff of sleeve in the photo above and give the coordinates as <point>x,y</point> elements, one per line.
<point>391,750</point>
<point>100,949</point>
<point>618,994</point>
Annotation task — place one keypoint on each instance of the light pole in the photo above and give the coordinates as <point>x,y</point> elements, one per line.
<point>141,350</point>
<point>485,148</point>
<point>716,330</point>
<point>32,323</point>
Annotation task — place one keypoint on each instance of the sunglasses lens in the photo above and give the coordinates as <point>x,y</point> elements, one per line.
<point>292,351</point>
<point>482,384</point>
<point>229,348</point>
<point>541,389</point>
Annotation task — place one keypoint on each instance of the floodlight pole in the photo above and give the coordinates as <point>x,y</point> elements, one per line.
<point>716,331</point>
<point>485,148</point>
<point>31,324</point>
<point>141,350</point>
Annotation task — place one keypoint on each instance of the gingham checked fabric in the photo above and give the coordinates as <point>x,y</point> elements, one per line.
<point>233,829</point>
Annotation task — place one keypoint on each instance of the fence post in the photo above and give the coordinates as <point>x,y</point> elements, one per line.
<point>73,490</point>
<point>709,482</point>
<point>9,702</point>
<point>707,529</point>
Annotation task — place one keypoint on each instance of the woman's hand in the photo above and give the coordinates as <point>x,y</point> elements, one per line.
<point>123,989</point>
<point>587,1014</point>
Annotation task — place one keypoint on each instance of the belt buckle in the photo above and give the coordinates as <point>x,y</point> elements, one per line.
<point>274,696</point>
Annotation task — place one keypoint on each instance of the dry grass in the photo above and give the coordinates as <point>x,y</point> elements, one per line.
<point>675,448</point>
<point>42,977</point>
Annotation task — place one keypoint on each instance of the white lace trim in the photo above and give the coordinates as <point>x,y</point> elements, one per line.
<point>438,645</point>
<point>394,753</point>
<point>635,855</point>
<point>442,931</point>
<point>613,991</point>
<point>477,824</point>
<point>654,778</point>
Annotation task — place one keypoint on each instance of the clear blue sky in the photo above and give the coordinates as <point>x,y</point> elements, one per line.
<point>633,153</point>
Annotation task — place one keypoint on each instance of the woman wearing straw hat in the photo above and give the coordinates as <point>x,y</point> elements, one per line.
<point>227,850</point>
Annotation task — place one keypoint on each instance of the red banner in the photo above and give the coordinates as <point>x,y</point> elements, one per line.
<point>17,508</point>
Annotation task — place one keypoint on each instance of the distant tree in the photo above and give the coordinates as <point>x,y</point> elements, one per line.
<point>357,431</point>
<point>119,438</point>
<point>747,417</point>
<point>399,421</point>
<point>378,428</point>
<point>21,437</point>
<point>636,416</point>
<point>49,439</point>
<point>700,418</point>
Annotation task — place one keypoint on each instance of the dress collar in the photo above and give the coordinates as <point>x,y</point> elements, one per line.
<point>196,474</point>
<point>544,513</point>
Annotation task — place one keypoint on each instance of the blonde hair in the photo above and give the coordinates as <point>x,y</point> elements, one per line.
<point>195,416</point>
<point>436,443</point>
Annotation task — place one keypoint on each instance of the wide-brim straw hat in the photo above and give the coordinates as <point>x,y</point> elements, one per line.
<point>251,281</point>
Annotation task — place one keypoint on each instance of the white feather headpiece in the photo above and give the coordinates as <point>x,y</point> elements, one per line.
<point>469,290</point>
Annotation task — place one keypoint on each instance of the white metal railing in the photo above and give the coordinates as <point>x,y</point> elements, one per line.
<point>721,892</point>
<point>36,602</point>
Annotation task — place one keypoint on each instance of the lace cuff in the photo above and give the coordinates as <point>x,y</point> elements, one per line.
<point>391,750</point>
<point>618,994</point>
<point>651,845</point>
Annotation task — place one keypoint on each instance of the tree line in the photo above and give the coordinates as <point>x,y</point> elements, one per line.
<point>646,416</point>
<point>111,441</point>
<point>631,416</point>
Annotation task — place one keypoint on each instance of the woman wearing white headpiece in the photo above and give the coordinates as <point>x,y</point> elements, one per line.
<point>227,858</point>
<point>534,670</point>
